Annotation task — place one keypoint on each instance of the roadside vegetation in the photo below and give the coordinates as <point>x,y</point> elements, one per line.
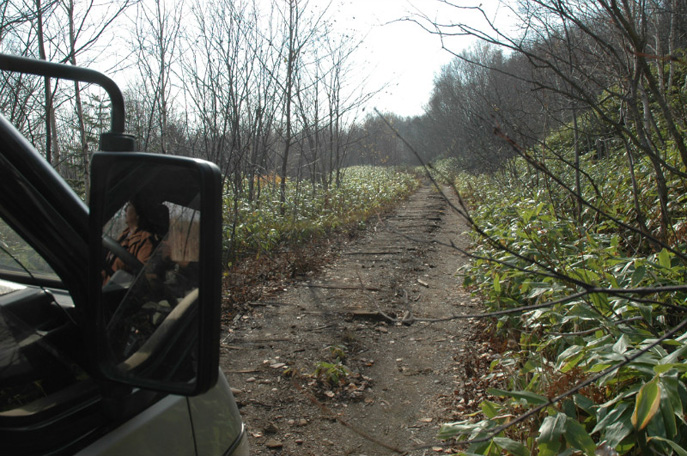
<point>261,226</point>
<point>597,354</point>
<point>568,150</point>
<point>267,243</point>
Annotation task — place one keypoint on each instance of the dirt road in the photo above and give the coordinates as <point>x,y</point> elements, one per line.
<point>340,363</point>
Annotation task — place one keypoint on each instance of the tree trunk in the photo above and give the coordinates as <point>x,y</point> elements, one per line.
<point>85,155</point>
<point>50,124</point>
<point>289,93</point>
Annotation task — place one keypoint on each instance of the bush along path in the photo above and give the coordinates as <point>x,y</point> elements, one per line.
<point>347,361</point>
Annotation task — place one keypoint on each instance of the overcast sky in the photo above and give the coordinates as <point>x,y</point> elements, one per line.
<point>397,55</point>
<point>396,58</point>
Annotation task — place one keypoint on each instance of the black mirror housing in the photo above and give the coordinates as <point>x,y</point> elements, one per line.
<point>117,142</point>
<point>155,271</point>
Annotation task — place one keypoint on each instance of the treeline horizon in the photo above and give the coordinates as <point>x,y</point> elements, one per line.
<point>265,90</point>
<point>262,89</point>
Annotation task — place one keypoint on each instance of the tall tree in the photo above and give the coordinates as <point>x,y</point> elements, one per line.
<point>52,151</point>
<point>156,42</point>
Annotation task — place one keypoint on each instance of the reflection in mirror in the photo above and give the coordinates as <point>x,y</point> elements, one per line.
<point>150,276</point>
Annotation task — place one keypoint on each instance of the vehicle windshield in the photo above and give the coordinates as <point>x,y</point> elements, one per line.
<point>19,260</point>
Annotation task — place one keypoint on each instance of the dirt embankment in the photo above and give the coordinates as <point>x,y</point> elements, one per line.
<point>341,363</point>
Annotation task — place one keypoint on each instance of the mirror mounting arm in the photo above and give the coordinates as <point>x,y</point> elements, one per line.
<point>113,141</point>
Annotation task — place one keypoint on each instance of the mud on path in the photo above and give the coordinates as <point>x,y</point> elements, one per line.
<point>359,319</point>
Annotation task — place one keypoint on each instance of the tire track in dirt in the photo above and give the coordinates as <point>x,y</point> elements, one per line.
<point>396,373</point>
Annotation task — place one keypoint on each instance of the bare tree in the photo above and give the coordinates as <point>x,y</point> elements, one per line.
<point>594,57</point>
<point>292,56</point>
<point>156,42</point>
<point>61,31</point>
<point>300,31</point>
<point>82,27</point>
<point>52,151</point>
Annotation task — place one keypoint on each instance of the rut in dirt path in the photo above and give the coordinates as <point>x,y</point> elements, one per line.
<point>346,321</point>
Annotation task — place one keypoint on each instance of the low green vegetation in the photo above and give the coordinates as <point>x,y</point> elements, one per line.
<point>310,211</point>
<point>333,372</point>
<point>598,360</point>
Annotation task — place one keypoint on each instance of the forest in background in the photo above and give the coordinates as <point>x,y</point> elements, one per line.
<point>262,89</point>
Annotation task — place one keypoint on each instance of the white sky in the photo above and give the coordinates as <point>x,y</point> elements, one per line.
<point>397,55</point>
<point>397,59</point>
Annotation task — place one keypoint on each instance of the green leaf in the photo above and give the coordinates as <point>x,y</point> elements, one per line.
<point>599,300</point>
<point>492,449</point>
<point>675,356</point>
<point>676,448</point>
<point>616,425</point>
<point>621,346</point>
<point>584,403</point>
<point>497,283</point>
<point>645,312</point>
<point>464,428</point>
<point>538,292</point>
<point>513,447</point>
<point>646,405</point>
<point>550,433</point>
<point>668,414</point>
<point>671,386</point>
<point>572,362</point>
<point>638,275</point>
<point>656,428</point>
<point>663,368</point>
<point>577,437</point>
<point>490,409</point>
<point>599,367</point>
<point>571,356</point>
<point>570,351</point>
<point>664,259</point>
<point>530,398</point>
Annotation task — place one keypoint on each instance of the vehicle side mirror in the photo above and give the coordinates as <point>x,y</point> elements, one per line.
<point>155,281</point>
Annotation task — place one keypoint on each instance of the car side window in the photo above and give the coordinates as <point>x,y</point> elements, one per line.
<point>32,368</point>
<point>33,365</point>
<point>17,258</point>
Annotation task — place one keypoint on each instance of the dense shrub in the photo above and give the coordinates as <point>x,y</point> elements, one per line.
<point>599,365</point>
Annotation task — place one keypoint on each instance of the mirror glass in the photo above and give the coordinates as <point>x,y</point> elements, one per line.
<point>149,217</point>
